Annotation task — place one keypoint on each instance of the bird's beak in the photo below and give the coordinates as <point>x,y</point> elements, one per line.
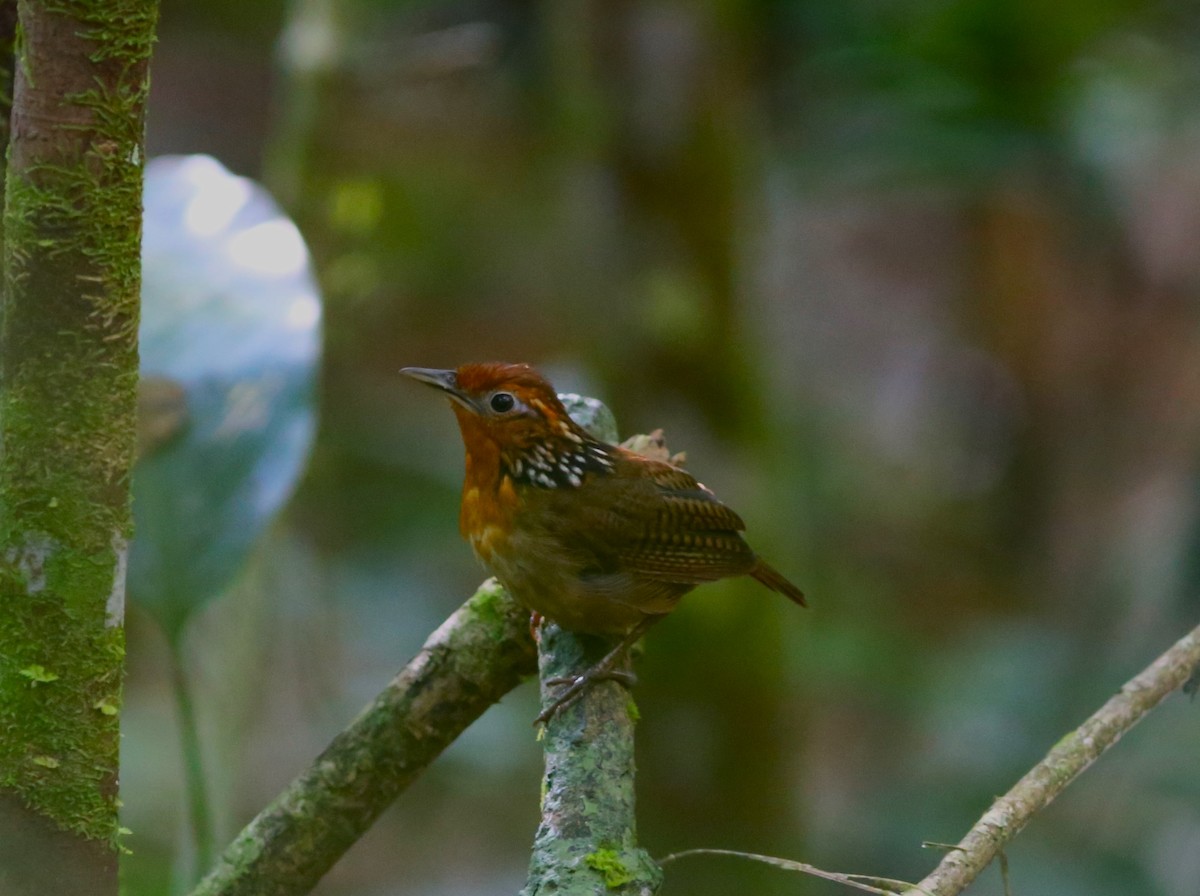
<point>446,380</point>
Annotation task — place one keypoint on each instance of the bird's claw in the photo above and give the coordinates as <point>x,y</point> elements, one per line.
<point>610,668</point>
<point>577,684</point>
<point>591,676</point>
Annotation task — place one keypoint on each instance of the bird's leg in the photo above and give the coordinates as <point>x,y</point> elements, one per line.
<point>604,670</point>
<point>535,626</point>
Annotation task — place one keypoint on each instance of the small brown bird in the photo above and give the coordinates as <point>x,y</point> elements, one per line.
<point>595,537</point>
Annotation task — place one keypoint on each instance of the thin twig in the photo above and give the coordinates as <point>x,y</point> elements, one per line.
<point>867,882</point>
<point>1070,756</point>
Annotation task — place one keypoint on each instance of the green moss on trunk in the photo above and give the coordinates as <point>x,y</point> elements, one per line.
<point>68,377</point>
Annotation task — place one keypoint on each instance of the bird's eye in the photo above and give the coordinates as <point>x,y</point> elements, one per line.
<point>502,402</point>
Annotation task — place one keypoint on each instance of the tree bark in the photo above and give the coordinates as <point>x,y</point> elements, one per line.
<point>68,377</point>
<point>587,840</point>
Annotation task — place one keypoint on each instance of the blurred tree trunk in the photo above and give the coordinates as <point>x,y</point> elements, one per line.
<point>68,379</point>
<point>661,96</point>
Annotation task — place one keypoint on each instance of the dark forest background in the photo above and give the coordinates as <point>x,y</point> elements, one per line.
<point>916,287</point>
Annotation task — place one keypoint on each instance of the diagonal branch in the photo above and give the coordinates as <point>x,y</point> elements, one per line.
<point>477,656</point>
<point>1070,756</point>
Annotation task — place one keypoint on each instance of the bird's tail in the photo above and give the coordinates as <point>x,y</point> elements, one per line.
<point>771,577</point>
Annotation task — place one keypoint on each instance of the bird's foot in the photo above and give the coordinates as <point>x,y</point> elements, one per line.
<point>604,670</point>
<point>621,676</point>
<point>578,684</point>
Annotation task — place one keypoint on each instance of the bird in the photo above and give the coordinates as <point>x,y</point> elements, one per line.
<point>593,536</point>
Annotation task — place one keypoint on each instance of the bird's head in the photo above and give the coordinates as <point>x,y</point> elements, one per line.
<point>513,425</point>
<point>511,405</point>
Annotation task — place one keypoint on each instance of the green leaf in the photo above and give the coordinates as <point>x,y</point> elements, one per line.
<point>105,706</point>
<point>38,674</point>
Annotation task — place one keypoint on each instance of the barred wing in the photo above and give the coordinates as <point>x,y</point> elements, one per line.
<point>670,527</point>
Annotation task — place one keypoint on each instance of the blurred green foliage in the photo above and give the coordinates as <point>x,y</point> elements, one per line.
<point>915,286</point>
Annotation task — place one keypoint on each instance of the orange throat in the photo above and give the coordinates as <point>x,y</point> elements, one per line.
<point>489,499</point>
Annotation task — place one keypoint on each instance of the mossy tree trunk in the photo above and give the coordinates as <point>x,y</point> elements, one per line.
<point>68,380</point>
<point>8,37</point>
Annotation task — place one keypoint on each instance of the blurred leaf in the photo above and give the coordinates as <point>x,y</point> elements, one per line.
<point>229,348</point>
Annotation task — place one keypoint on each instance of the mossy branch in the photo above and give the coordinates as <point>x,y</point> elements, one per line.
<point>1068,758</point>
<point>477,656</point>
<point>587,840</point>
